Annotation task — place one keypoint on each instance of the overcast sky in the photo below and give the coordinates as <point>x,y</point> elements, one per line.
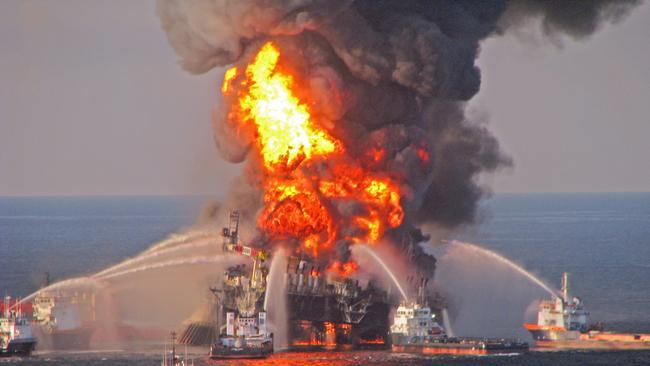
<point>93,102</point>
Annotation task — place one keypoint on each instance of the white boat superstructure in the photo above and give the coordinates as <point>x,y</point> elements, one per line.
<point>415,330</point>
<point>563,311</point>
<point>415,320</point>
<point>246,334</point>
<point>15,331</point>
<point>562,323</point>
<point>56,312</point>
<point>64,320</point>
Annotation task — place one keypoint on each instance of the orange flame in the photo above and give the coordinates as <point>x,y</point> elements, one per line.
<point>286,134</point>
<point>381,197</point>
<point>294,210</point>
<point>376,155</point>
<point>228,77</point>
<point>344,269</point>
<point>423,155</point>
<point>378,340</point>
<point>288,142</point>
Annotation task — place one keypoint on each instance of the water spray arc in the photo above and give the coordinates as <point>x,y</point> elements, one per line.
<point>366,249</point>
<point>486,252</point>
<point>171,263</point>
<point>151,255</point>
<point>275,303</point>
<point>72,282</point>
<point>446,322</point>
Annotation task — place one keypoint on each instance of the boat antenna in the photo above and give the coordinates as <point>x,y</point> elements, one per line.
<point>173,336</point>
<point>165,355</point>
<point>231,233</point>
<point>46,281</point>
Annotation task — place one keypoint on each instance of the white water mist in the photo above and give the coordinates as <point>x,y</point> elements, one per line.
<point>446,323</point>
<point>367,250</point>
<point>487,293</point>
<point>495,256</point>
<point>275,300</point>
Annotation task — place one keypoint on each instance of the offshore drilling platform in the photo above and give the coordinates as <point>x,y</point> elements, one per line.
<point>325,308</point>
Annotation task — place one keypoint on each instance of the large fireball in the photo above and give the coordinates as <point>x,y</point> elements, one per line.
<point>300,202</point>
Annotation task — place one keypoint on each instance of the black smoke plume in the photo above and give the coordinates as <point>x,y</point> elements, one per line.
<point>382,74</point>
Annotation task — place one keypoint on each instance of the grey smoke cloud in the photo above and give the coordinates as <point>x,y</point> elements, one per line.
<point>393,75</point>
<point>577,19</point>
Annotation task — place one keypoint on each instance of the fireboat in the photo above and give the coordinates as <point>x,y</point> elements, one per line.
<point>563,323</point>
<point>15,330</point>
<point>245,334</point>
<point>415,330</point>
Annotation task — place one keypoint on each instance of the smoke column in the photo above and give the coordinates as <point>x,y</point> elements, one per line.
<point>389,79</point>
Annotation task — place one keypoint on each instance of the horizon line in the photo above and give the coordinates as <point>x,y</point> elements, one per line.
<point>216,195</point>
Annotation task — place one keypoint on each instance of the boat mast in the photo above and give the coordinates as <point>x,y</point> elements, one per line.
<point>219,309</point>
<point>165,355</point>
<point>565,286</point>
<point>173,335</point>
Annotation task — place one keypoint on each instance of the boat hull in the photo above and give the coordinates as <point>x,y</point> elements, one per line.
<point>230,348</point>
<point>60,339</point>
<point>453,350</point>
<point>593,344</point>
<point>19,347</point>
<point>221,353</point>
<point>599,340</point>
<point>78,339</point>
<point>554,338</point>
<point>460,347</point>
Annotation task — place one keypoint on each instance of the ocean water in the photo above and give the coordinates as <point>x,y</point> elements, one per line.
<point>73,236</point>
<point>603,240</point>
<point>358,358</point>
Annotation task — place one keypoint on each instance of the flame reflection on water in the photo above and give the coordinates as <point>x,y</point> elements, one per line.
<point>323,358</point>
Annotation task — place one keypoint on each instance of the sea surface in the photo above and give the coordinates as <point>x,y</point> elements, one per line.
<point>359,358</point>
<point>603,240</point>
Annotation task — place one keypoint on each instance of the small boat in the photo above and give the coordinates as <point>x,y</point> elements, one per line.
<point>563,323</point>
<point>171,358</point>
<point>246,337</point>
<point>15,330</point>
<point>245,334</point>
<point>415,330</point>
<point>64,321</point>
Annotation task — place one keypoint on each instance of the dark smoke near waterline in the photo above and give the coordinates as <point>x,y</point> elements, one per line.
<point>391,75</point>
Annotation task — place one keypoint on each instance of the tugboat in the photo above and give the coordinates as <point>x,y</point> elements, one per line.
<point>245,334</point>
<point>563,323</point>
<point>15,330</point>
<point>415,330</point>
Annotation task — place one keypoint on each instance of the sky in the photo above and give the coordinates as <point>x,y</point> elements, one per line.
<point>93,102</point>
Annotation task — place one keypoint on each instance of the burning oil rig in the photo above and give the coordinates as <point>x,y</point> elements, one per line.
<point>326,310</point>
<point>313,190</point>
<point>333,311</point>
